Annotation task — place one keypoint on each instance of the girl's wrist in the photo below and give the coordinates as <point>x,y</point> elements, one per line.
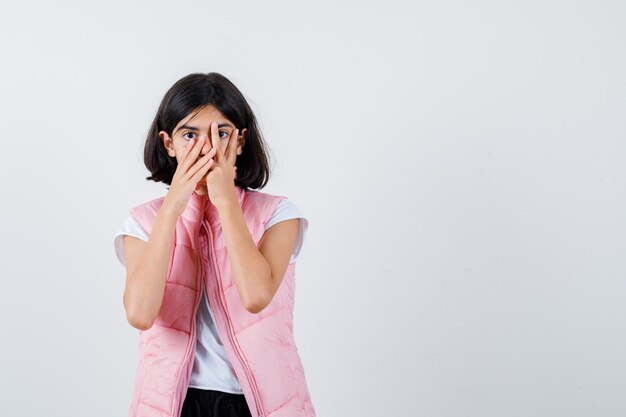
<point>226,203</point>
<point>169,212</point>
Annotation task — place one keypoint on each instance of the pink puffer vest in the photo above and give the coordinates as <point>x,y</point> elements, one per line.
<point>261,347</point>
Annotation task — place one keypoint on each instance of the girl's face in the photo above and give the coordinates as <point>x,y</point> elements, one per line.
<point>198,124</point>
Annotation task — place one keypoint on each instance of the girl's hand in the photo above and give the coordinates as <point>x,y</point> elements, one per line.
<point>187,175</point>
<point>220,179</point>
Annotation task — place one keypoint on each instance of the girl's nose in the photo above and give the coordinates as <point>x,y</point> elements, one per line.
<point>207,144</point>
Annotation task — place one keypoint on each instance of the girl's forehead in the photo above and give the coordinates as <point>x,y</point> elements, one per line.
<point>206,114</point>
<point>202,119</point>
<point>195,123</point>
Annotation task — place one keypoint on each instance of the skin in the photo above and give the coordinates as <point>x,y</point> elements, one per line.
<point>257,271</point>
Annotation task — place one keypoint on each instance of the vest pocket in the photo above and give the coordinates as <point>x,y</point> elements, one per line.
<point>177,307</point>
<point>184,267</point>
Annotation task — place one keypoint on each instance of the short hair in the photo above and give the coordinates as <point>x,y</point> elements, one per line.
<point>195,91</point>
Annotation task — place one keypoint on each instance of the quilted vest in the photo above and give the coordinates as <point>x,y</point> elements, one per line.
<point>261,347</point>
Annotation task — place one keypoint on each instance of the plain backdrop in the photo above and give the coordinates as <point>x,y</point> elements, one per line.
<point>461,165</point>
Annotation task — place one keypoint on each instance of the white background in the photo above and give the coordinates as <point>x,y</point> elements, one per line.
<point>461,165</point>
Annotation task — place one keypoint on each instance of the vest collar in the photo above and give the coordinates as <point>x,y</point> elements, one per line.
<point>197,202</point>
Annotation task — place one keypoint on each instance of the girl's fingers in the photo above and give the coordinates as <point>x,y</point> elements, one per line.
<point>202,171</point>
<point>188,147</point>
<point>191,154</point>
<point>215,140</point>
<point>200,163</point>
<point>231,150</point>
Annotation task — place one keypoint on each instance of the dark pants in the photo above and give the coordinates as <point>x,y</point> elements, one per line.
<point>209,403</point>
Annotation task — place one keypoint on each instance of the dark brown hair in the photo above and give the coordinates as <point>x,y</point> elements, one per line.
<point>189,94</point>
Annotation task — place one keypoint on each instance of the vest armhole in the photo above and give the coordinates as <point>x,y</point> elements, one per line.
<point>146,213</point>
<point>270,207</point>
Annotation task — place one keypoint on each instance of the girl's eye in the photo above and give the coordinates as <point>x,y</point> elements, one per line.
<point>225,132</point>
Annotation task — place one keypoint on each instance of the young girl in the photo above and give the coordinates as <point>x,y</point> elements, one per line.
<point>210,267</point>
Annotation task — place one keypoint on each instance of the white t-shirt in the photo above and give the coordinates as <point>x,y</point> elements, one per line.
<point>212,368</point>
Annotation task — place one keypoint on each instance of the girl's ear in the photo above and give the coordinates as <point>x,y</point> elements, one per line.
<point>241,141</point>
<point>168,143</point>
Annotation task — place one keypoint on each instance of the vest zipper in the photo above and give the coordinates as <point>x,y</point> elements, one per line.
<point>192,336</point>
<point>230,333</point>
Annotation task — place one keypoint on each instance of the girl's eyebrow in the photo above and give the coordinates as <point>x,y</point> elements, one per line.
<point>197,130</point>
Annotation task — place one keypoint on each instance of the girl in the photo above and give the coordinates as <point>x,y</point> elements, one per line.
<point>210,267</point>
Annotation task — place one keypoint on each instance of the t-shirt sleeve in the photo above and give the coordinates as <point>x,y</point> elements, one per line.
<point>131,228</point>
<point>286,210</point>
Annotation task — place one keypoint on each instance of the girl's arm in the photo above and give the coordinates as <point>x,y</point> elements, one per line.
<point>146,270</point>
<point>257,272</point>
